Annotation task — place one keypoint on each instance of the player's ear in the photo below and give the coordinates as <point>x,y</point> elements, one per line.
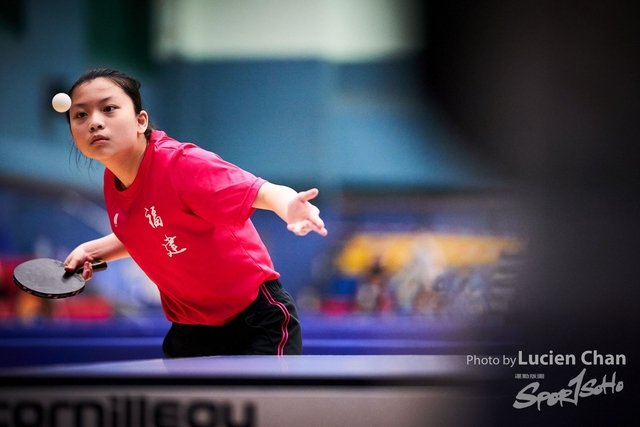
<point>143,121</point>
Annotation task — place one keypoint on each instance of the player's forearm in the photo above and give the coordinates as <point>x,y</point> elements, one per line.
<point>275,198</point>
<point>107,248</point>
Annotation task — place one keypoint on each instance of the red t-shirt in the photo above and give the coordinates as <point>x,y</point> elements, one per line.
<point>185,222</point>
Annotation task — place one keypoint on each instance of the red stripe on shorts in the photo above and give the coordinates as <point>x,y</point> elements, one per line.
<point>285,323</point>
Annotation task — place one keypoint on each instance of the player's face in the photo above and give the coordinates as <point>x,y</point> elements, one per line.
<point>103,121</point>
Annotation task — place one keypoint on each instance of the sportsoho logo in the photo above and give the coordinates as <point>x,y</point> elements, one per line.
<point>139,411</point>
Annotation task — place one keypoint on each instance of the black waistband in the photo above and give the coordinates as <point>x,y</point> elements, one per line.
<point>273,285</point>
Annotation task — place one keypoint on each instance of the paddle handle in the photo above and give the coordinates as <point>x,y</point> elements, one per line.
<point>97,265</point>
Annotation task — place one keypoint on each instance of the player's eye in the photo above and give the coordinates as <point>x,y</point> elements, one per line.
<point>109,108</point>
<point>80,115</point>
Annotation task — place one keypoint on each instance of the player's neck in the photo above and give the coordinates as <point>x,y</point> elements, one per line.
<point>126,167</point>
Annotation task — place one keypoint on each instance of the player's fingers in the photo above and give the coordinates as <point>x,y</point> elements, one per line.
<point>87,271</point>
<point>322,231</point>
<point>300,228</point>
<point>76,259</point>
<point>295,228</point>
<point>316,222</point>
<point>72,263</point>
<point>318,225</point>
<point>309,194</point>
<point>303,228</point>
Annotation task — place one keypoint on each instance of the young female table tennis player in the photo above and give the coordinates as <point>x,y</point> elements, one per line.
<point>182,213</point>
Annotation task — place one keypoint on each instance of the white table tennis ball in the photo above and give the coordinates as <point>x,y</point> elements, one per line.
<point>61,102</point>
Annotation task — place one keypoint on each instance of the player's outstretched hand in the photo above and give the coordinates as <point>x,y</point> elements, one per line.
<point>303,216</point>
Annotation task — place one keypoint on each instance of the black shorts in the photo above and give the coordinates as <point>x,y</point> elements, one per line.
<point>269,326</point>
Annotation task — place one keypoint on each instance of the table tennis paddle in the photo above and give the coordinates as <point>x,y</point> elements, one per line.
<point>47,278</point>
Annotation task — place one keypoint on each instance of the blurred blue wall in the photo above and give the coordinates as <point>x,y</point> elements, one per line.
<point>312,122</point>
<point>300,122</point>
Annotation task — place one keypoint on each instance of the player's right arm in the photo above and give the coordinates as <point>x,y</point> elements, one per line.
<point>107,248</point>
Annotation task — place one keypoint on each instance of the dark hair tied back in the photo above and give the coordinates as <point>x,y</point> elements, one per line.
<point>128,84</point>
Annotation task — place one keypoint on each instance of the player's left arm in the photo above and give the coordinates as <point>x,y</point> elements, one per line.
<point>293,207</point>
